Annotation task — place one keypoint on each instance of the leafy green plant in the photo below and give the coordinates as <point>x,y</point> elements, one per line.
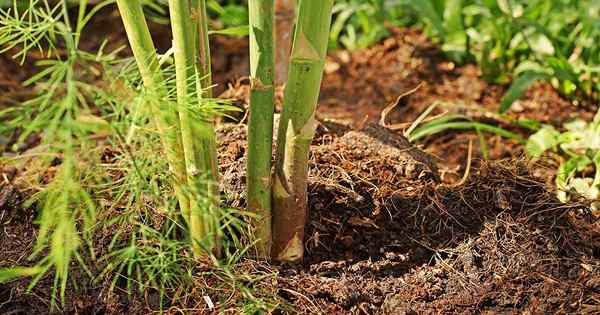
<point>61,111</point>
<point>359,23</point>
<point>229,15</point>
<point>458,122</point>
<point>230,18</point>
<point>425,126</point>
<point>579,172</point>
<point>72,110</point>
<point>521,41</point>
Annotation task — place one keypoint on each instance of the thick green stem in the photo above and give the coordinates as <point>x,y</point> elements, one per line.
<point>164,117</point>
<point>185,70</point>
<point>204,128</point>
<point>297,127</point>
<point>260,123</point>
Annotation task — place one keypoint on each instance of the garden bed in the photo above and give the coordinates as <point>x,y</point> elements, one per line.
<point>393,228</point>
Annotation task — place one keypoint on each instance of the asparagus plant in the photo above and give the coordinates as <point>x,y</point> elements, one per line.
<point>190,40</point>
<point>260,124</point>
<point>205,126</point>
<point>296,128</point>
<point>184,48</point>
<point>165,118</point>
<point>190,142</point>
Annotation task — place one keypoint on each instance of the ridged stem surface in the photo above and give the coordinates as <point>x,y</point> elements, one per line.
<point>297,127</point>
<point>260,123</point>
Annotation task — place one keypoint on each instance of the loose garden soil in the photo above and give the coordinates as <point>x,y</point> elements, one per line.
<point>394,228</point>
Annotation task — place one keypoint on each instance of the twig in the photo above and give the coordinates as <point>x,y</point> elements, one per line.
<point>393,105</point>
<point>467,168</point>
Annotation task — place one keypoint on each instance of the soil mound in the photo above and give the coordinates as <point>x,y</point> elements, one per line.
<point>385,237</point>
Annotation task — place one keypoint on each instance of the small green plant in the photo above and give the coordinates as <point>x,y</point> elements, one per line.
<point>134,108</point>
<point>358,24</point>
<point>60,110</point>
<point>579,144</point>
<point>458,122</point>
<point>230,18</point>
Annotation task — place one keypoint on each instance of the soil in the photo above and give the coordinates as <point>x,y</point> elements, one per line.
<point>393,228</point>
<point>385,237</point>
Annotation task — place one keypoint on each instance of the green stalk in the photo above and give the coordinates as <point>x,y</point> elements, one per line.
<point>164,117</point>
<point>183,47</point>
<point>260,123</point>
<point>297,127</point>
<point>204,128</point>
<point>200,23</point>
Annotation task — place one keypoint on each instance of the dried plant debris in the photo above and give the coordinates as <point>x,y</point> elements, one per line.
<point>385,237</point>
<point>500,243</point>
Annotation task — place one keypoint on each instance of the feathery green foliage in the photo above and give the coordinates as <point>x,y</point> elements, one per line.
<point>97,157</point>
<point>62,112</point>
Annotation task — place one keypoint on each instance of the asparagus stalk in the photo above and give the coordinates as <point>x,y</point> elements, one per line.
<point>297,127</point>
<point>164,117</point>
<point>260,124</point>
<point>205,127</point>
<point>184,46</point>
<point>200,23</point>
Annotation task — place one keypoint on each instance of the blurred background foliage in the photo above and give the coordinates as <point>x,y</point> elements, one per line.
<point>515,42</point>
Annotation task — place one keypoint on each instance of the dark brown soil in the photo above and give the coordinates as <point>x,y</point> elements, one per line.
<point>392,229</point>
<point>384,237</point>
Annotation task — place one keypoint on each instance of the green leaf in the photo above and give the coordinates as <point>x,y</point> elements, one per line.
<point>518,87</point>
<point>13,273</point>
<point>541,44</point>
<point>530,124</point>
<point>456,38</point>
<point>567,170</point>
<point>531,66</point>
<point>234,15</point>
<point>584,187</point>
<point>511,8</point>
<point>545,139</point>
<point>232,31</point>
<point>426,9</point>
<point>340,22</point>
